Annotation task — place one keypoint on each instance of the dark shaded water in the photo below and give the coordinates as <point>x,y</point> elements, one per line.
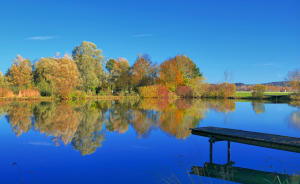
<point>141,142</point>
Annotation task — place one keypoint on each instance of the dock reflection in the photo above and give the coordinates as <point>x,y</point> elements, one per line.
<point>229,172</point>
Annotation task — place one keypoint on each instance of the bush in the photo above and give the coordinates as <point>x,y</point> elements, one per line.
<point>77,95</point>
<point>184,91</point>
<point>258,91</point>
<point>6,93</point>
<point>154,91</point>
<point>224,90</point>
<point>228,90</point>
<point>29,93</point>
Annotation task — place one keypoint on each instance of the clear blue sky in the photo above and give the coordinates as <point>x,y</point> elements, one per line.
<point>254,40</point>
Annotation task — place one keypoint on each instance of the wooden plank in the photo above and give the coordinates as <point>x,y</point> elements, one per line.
<point>252,138</point>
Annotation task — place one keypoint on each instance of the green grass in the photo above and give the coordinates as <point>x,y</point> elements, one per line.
<point>248,94</point>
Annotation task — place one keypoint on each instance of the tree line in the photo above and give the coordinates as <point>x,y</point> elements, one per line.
<point>86,73</point>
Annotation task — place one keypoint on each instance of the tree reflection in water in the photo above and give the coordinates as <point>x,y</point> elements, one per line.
<point>294,118</point>
<point>258,107</point>
<point>84,125</point>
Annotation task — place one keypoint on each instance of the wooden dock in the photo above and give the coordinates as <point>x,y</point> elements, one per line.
<point>252,138</point>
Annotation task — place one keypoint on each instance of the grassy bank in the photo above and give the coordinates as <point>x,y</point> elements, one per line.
<point>247,95</point>
<point>267,95</point>
<point>42,98</point>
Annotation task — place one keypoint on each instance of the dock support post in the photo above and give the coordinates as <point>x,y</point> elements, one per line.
<point>228,151</point>
<point>211,152</point>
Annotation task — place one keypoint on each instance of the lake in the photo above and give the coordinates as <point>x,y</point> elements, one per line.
<point>146,141</point>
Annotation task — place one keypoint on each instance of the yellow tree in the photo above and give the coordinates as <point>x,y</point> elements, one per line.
<point>61,73</point>
<point>20,73</point>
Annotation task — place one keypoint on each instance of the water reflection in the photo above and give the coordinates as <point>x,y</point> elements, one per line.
<point>294,117</point>
<point>84,125</point>
<point>229,172</point>
<point>258,107</point>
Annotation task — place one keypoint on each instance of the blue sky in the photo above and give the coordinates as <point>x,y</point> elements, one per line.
<point>253,40</point>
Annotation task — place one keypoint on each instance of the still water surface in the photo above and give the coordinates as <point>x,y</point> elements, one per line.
<point>140,142</point>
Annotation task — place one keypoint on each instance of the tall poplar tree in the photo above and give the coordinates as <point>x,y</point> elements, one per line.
<point>89,61</point>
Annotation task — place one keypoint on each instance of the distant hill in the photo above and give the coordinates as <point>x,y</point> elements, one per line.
<point>280,83</point>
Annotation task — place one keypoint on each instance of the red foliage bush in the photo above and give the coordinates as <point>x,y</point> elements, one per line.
<point>6,93</point>
<point>163,92</point>
<point>29,93</point>
<point>184,91</point>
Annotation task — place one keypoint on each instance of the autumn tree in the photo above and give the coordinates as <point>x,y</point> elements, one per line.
<point>4,87</point>
<point>119,74</point>
<point>20,73</point>
<point>89,61</point>
<point>198,86</point>
<point>61,74</point>
<point>177,71</point>
<point>3,81</point>
<point>143,71</point>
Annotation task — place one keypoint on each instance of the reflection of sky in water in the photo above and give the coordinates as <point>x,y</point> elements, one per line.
<point>134,144</point>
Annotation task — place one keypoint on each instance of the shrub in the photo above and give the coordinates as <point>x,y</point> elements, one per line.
<point>163,92</point>
<point>77,95</point>
<point>154,91</point>
<point>258,91</point>
<point>6,93</point>
<point>29,93</point>
<point>228,90</point>
<point>224,90</point>
<point>184,91</point>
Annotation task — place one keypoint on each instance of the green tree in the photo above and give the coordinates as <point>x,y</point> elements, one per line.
<point>20,73</point>
<point>258,91</point>
<point>42,76</point>
<point>89,61</point>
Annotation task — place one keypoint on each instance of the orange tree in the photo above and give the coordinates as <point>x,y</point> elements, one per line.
<point>177,71</point>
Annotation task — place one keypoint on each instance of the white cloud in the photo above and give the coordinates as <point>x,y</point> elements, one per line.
<point>141,35</point>
<point>40,143</point>
<point>40,38</point>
